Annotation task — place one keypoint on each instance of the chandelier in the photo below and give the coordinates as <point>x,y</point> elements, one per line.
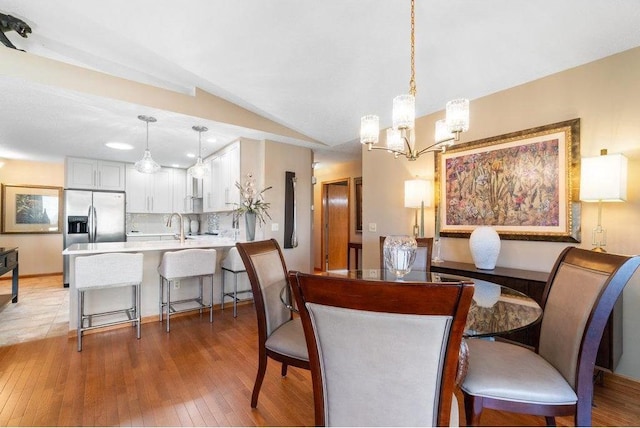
<point>199,170</point>
<point>401,137</point>
<point>147,165</point>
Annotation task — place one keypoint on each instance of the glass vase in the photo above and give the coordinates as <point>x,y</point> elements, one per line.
<point>250,223</point>
<point>399,253</point>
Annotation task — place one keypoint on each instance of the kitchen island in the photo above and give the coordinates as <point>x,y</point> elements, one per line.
<point>153,251</point>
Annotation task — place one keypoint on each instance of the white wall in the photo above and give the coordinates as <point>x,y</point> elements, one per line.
<point>604,95</point>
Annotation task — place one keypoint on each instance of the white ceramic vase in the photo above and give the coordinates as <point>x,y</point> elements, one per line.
<point>484,244</point>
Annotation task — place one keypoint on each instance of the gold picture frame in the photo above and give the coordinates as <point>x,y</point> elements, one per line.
<point>525,184</point>
<point>31,209</point>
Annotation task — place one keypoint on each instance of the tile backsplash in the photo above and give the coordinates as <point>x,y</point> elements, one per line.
<point>157,223</point>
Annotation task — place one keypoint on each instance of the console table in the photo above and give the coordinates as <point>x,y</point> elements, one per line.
<point>532,283</point>
<point>9,262</point>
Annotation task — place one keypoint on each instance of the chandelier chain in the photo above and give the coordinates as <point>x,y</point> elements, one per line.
<point>412,82</point>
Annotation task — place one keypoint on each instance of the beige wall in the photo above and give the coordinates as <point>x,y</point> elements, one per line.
<point>604,96</point>
<point>39,253</point>
<point>280,158</point>
<point>327,173</point>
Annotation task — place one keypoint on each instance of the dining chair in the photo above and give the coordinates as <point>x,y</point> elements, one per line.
<point>382,353</point>
<point>280,336</point>
<point>423,254</point>
<point>556,378</point>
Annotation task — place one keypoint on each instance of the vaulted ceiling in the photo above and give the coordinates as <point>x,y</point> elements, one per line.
<point>313,66</point>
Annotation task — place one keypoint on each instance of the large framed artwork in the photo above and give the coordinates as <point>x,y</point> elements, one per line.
<point>524,184</point>
<point>31,209</point>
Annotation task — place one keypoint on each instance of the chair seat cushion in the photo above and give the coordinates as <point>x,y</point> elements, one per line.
<point>288,339</point>
<point>504,371</point>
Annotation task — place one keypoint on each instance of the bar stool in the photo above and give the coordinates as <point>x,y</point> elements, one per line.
<point>232,264</point>
<point>103,271</point>
<point>183,264</point>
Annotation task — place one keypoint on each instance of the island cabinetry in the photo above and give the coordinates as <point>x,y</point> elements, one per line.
<point>149,193</point>
<point>532,283</point>
<point>94,174</point>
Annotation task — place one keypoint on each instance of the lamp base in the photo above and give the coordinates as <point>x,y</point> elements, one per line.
<point>599,250</point>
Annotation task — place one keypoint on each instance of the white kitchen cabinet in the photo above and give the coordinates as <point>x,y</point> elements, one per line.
<point>94,174</point>
<point>149,193</point>
<point>219,188</point>
<point>180,201</point>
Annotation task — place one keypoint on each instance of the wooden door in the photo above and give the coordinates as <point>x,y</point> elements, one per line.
<point>336,224</point>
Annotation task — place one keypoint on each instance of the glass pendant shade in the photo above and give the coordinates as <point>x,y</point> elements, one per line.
<point>394,140</point>
<point>199,170</point>
<point>458,115</point>
<point>369,129</point>
<point>404,111</point>
<point>147,165</point>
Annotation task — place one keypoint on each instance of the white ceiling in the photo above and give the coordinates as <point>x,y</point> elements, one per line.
<point>313,66</point>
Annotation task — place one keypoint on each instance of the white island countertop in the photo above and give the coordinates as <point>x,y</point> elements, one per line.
<point>167,245</point>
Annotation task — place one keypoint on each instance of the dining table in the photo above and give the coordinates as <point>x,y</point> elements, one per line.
<point>495,309</point>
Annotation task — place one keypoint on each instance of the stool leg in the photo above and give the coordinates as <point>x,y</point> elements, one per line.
<point>222,292</point>
<point>80,312</point>
<point>200,281</point>
<point>138,315</point>
<point>161,301</point>
<point>235,295</point>
<point>211,302</point>
<point>168,303</point>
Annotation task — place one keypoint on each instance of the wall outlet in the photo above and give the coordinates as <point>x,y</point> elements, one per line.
<point>275,227</point>
<point>176,285</point>
<point>373,227</point>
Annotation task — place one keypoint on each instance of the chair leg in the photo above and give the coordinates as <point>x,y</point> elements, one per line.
<point>283,372</point>
<point>550,421</point>
<point>262,369</point>
<point>583,413</point>
<point>472,409</point>
<point>235,295</point>
<point>222,291</point>
<point>161,303</point>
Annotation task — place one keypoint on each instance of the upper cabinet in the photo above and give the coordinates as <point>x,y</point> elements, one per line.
<point>149,193</point>
<point>219,190</point>
<point>94,174</point>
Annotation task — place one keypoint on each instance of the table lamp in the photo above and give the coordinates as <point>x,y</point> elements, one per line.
<point>417,194</point>
<point>603,179</point>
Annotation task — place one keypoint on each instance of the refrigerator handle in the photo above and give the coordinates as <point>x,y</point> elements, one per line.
<point>90,225</point>
<point>95,223</point>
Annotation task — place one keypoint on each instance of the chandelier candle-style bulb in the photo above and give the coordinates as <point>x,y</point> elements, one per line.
<point>404,111</point>
<point>369,129</point>
<point>458,116</point>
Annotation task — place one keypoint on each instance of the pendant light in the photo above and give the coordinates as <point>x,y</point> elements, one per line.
<point>199,170</point>
<point>147,165</point>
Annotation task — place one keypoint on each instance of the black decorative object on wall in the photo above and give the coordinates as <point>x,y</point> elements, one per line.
<point>290,220</point>
<point>11,23</point>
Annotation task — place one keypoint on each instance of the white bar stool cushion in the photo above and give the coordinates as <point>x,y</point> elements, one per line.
<point>233,262</point>
<point>110,269</point>
<point>187,263</point>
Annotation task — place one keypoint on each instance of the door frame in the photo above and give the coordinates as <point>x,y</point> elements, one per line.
<point>324,216</point>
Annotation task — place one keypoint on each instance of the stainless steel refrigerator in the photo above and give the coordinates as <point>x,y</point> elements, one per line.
<point>92,216</point>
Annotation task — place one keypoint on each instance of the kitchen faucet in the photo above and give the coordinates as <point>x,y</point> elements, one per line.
<point>181,224</point>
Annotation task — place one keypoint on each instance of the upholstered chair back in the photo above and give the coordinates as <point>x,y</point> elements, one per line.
<point>578,300</point>
<point>267,273</point>
<point>381,353</point>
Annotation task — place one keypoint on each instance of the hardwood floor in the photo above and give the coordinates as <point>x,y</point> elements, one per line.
<point>198,374</point>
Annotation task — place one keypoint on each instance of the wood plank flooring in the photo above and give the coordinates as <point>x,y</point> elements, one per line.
<point>198,374</point>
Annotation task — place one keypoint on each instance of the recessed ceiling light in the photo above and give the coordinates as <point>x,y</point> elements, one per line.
<point>119,146</point>
<point>212,140</point>
<point>191,155</point>
<point>175,165</point>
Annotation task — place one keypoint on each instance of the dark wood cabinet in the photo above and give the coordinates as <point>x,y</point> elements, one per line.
<point>532,283</point>
<point>9,262</point>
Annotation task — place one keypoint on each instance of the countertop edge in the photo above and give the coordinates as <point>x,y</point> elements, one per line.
<point>167,245</point>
